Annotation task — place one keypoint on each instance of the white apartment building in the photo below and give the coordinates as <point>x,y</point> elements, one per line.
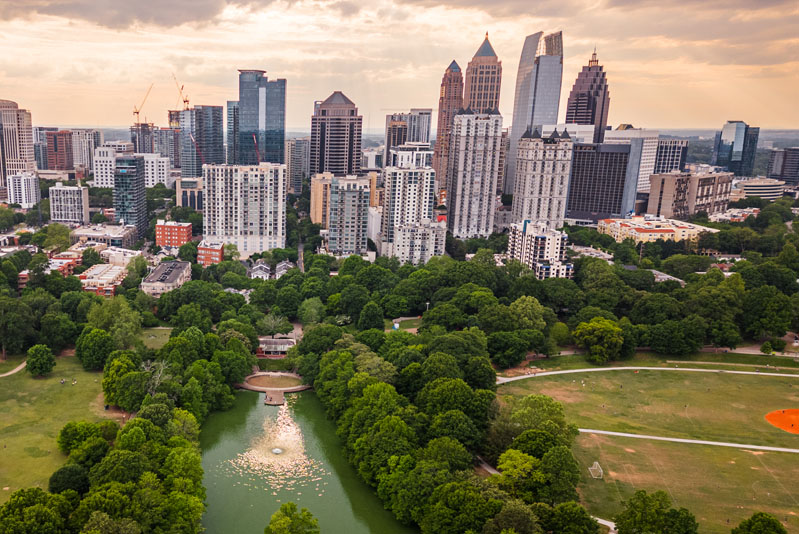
<point>409,155</point>
<point>122,147</point>
<point>23,189</point>
<point>540,248</point>
<point>473,169</point>
<point>245,205</point>
<point>83,144</point>
<point>348,217</point>
<point>541,187</point>
<point>157,170</point>
<point>418,242</point>
<point>410,195</point>
<point>104,165</point>
<point>646,158</point>
<point>16,149</point>
<point>69,204</point>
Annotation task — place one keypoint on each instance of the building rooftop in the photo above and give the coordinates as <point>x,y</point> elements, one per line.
<point>167,272</point>
<point>104,230</point>
<point>338,98</point>
<point>454,67</point>
<point>485,50</point>
<point>161,222</point>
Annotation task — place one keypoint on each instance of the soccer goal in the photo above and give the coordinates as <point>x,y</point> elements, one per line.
<point>596,470</point>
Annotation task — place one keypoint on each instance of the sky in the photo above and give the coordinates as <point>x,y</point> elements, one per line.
<point>670,63</point>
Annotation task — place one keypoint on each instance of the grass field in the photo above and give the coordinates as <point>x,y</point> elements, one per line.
<point>32,411</point>
<point>10,363</point>
<point>155,338</point>
<point>715,483</point>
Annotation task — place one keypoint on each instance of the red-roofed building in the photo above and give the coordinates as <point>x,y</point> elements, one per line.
<point>647,229</point>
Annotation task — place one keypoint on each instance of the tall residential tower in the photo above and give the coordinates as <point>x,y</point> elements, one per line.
<point>450,101</point>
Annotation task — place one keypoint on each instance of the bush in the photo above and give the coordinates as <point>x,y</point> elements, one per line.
<point>40,360</point>
<point>69,477</point>
<point>778,344</point>
<point>766,348</point>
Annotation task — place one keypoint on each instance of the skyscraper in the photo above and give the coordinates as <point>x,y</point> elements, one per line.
<point>450,101</point>
<point>783,164</point>
<point>167,143</point>
<point>336,136</point>
<point>245,205</point>
<point>543,166</point>
<point>83,144</point>
<point>59,151</point>
<point>298,156</point>
<point>589,100</point>
<point>735,147</point>
<point>201,139</point>
<point>232,132</point>
<point>16,141</point>
<point>671,155</point>
<point>396,133</point>
<point>261,118</point>
<point>348,217</point>
<point>130,198</point>
<point>141,135</point>
<point>483,80</point>
<point>603,181</point>
<point>472,171</point>
<point>644,153</point>
<point>40,145</point>
<point>413,127</point>
<point>537,97</point>
<point>409,198</point>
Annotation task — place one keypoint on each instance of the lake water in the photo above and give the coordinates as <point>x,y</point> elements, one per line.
<point>257,457</point>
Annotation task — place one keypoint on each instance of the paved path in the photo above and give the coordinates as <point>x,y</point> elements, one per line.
<point>505,379</point>
<point>16,369</point>
<point>693,441</point>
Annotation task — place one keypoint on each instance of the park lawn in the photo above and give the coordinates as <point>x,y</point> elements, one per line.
<point>404,325</point>
<point>155,338</point>
<point>708,406</point>
<point>714,483</point>
<point>32,412</point>
<point>11,362</point>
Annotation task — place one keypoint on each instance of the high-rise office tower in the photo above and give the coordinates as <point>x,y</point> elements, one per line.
<point>16,143</point>
<point>69,204</point>
<point>472,171</point>
<point>348,215</point>
<point>645,153</point>
<point>23,189</point>
<point>671,155</point>
<point>166,142</point>
<point>396,134</point>
<point>83,144</point>
<point>543,167</point>
<point>130,197</point>
<point>232,132</point>
<point>298,158</point>
<point>201,139</point>
<point>261,118</point>
<point>483,80</point>
<point>537,97</point>
<point>59,151</point>
<point>589,100</point>
<point>735,147</point>
<point>783,164</point>
<point>603,181</point>
<point>336,136</point>
<point>450,101</point>
<point>141,135</point>
<point>413,127</point>
<point>245,205</point>
<point>40,145</point>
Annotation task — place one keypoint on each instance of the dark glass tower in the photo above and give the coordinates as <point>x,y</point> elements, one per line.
<point>130,198</point>
<point>604,179</point>
<point>261,118</point>
<point>201,139</point>
<point>735,148</point>
<point>232,132</point>
<point>589,99</point>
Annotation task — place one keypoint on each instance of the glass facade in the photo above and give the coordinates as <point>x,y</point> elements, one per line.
<point>261,119</point>
<point>735,147</point>
<point>201,139</point>
<point>130,199</point>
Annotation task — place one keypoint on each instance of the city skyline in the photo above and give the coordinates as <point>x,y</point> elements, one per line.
<point>700,65</point>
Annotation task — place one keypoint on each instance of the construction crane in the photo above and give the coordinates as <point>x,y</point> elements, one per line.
<point>257,153</point>
<point>197,148</point>
<point>183,98</point>
<point>137,110</point>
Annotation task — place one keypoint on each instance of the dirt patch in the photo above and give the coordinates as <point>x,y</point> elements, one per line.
<point>277,382</point>
<point>119,415</point>
<point>629,450</point>
<point>787,420</point>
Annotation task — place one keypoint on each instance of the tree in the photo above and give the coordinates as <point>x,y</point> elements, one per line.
<point>515,516</point>
<point>353,299</point>
<point>116,317</point>
<point>601,337</point>
<point>371,316</point>
<point>273,324</point>
<point>230,252</point>
<point>74,433</point>
<point>69,477</point>
<point>90,257</point>
<point>288,300</point>
<point>507,349</point>
<point>571,518</point>
<point>93,347</point>
<point>760,523</point>
<point>287,520</point>
<point>766,311</point>
<point>57,330</point>
<point>311,311</point>
<point>562,473</point>
<point>529,313</point>
<point>40,360</point>
<point>652,513</point>
<point>16,324</point>
<point>102,523</point>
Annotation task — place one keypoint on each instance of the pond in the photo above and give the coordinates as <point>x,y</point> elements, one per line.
<point>257,457</point>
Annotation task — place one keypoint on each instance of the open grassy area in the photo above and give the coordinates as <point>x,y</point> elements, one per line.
<point>32,411</point>
<point>155,338</point>
<point>404,325</point>
<point>10,363</point>
<point>715,483</point>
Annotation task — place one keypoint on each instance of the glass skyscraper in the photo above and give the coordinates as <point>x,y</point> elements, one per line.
<point>261,119</point>
<point>201,139</point>
<point>130,199</point>
<point>735,148</point>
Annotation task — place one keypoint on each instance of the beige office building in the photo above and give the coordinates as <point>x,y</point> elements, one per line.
<point>320,198</point>
<point>16,149</point>
<point>680,195</point>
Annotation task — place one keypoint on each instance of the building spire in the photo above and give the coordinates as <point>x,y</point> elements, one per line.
<point>594,61</point>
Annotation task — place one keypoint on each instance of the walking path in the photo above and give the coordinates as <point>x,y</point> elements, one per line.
<point>16,369</point>
<point>694,441</point>
<point>505,379</point>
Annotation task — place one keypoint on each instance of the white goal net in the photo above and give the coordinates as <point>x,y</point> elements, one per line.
<point>596,470</point>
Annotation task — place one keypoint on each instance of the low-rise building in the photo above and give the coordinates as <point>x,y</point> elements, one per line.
<point>735,215</point>
<point>765,188</point>
<point>172,233</point>
<point>112,235</point>
<point>282,268</point>
<point>23,189</point>
<point>61,265</point>
<point>103,279</point>
<point>260,270</point>
<point>541,249</point>
<point>209,253</point>
<point>118,255</point>
<point>165,277</point>
<point>648,229</point>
